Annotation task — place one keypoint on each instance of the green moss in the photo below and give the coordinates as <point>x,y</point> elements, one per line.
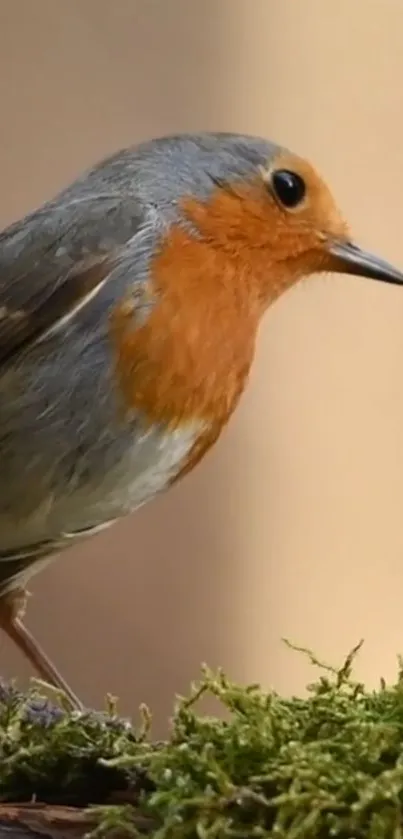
<point>328,765</point>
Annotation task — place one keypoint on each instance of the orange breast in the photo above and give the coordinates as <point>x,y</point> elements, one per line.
<point>191,358</point>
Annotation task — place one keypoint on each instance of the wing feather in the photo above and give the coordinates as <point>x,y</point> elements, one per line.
<point>54,261</point>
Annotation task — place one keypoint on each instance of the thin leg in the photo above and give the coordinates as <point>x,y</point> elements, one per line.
<point>12,608</point>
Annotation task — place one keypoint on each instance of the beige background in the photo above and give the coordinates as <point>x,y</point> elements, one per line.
<point>293,526</point>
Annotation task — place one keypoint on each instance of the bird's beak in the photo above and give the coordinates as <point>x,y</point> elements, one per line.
<point>348,258</point>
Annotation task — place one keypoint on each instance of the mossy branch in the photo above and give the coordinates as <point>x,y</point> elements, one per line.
<point>328,765</point>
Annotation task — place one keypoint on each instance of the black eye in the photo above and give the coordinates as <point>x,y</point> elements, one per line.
<point>289,187</point>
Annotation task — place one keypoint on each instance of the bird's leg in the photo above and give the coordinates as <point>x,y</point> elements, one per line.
<point>12,609</point>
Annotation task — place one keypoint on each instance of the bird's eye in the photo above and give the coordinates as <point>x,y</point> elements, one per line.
<point>289,187</point>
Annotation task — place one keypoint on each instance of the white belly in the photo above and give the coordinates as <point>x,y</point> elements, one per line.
<point>146,470</point>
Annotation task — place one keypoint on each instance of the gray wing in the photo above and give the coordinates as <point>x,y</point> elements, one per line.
<point>55,260</point>
<point>52,263</point>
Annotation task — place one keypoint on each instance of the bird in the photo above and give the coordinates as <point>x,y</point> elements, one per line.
<point>130,305</point>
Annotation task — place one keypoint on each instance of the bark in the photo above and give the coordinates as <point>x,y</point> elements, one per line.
<point>27,821</point>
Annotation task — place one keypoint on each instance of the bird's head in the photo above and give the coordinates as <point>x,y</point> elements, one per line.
<point>270,211</point>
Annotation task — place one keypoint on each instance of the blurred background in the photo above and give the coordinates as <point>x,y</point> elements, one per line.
<point>293,526</point>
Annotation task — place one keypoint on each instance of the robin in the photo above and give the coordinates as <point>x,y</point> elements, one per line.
<point>129,310</point>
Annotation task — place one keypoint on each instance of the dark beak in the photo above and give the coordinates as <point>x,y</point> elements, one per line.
<point>347,258</point>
